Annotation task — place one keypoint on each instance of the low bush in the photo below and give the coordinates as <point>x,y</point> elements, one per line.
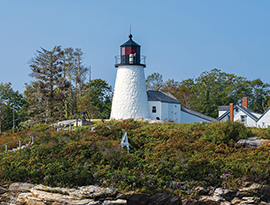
<point>224,132</point>
<point>161,157</point>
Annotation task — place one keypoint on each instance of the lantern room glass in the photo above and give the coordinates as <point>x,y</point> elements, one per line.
<point>130,50</point>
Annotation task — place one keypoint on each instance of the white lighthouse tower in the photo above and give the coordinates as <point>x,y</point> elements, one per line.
<point>130,98</point>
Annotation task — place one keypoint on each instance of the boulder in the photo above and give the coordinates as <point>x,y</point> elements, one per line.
<point>3,190</point>
<point>210,200</point>
<point>265,192</point>
<point>200,190</point>
<point>227,194</point>
<point>20,187</point>
<point>147,199</point>
<point>250,200</point>
<point>115,202</point>
<point>225,203</point>
<point>235,201</point>
<point>27,198</point>
<point>8,198</point>
<point>188,201</point>
<point>60,198</point>
<point>253,142</point>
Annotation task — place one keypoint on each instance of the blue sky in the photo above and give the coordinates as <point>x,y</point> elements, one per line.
<point>181,39</point>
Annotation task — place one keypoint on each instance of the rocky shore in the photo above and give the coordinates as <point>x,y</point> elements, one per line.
<point>30,194</point>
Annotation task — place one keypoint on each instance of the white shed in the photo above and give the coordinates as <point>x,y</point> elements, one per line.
<point>164,106</point>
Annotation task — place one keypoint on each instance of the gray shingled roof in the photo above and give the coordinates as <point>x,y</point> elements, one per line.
<point>198,114</point>
<point>223,108</point>
<point>153,95</point>
<point>249,112</point>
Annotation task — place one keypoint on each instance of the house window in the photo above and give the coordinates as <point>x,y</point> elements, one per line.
<point>243,119</point>
<point>154,109</point>
<point>236,110</point>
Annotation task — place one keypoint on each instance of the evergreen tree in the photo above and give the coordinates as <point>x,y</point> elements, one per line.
<point>50,85</point>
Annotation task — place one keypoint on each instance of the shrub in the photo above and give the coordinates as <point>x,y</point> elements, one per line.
<point>40,127</point>
<point>224,132</point>
<point>160,155</point>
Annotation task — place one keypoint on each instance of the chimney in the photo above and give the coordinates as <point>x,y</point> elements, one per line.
<point>231,111</point>
<point>245,102</point>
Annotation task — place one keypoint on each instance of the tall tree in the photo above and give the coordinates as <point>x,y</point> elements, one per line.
<point>98,105</point>
<point>5,117</point>
<point>186,95</point>
<point>11,103</point>
<point>154,81</point>
<point>80,71</point>
<point>259,95</point>
<point>51,86</point>
<point>75,73</point>
<point>214,88</point>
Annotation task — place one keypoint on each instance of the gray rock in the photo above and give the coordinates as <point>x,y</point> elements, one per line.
<point>115,202</point>
<point>8,198</point>
<point>188,201</point>
<point>246,184</point>
<point>235,201</point>
<point>263,203</point>
<point>147,199</point>
<point>200,190</point>
<point>265,192</point>
<point>250,200</point>
<point>218,192</point>
<point>227,194</point>
<point>253,142</point>
<point>3,190</point>
<point>20,187</point>
<point>211,199</point>
<point>225,203</point>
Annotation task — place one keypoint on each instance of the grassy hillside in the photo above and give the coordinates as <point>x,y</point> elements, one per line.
<point>161,157</point>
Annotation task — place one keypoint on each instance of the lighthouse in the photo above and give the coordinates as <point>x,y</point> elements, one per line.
<point>130,97</point>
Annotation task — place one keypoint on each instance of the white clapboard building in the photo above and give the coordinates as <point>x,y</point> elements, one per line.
<point>131,100</point>
<point>244,115</point>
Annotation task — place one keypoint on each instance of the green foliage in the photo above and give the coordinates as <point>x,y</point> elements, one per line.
<point>59,90</point>
<point>154,81</point>
<point>161,157</point>
<point>10,99</point>
<point>40,127</point>
<point>215,88</point>
<point>225,132</point>
<point>100,98</point>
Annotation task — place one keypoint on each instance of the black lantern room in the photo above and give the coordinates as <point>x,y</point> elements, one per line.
<point>130,54</point>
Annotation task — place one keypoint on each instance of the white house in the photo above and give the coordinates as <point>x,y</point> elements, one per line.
<point>244,115</point>
<point>164,106</point>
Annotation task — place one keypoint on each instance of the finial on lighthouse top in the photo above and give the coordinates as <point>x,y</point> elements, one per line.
<point>130,54</point>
